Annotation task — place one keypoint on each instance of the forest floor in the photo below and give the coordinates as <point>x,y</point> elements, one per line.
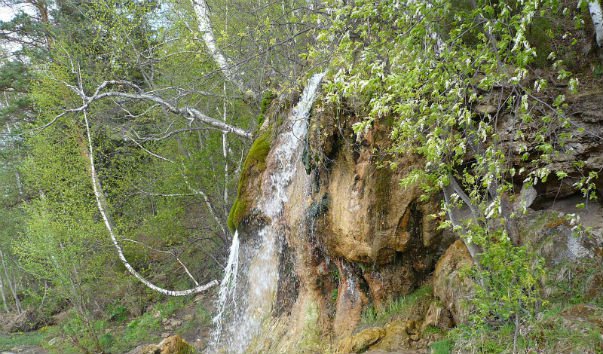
<point>22,343</point>
<point>189,318</point>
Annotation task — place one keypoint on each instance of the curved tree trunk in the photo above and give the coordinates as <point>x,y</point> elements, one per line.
<point>102,208</point>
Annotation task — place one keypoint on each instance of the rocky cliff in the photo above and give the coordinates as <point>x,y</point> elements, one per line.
<point>355,241</point>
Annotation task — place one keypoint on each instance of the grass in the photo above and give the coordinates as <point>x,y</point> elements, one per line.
<point>7,342</point>
<point>443,346</point>
<point>144,329</point>
<point>550,333</point>
<point>115,334</point>
<point>398,307</point>
<point>118,335</point>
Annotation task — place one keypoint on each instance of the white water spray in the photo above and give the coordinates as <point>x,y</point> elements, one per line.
<point>260,258</point>
<point>227,293</point>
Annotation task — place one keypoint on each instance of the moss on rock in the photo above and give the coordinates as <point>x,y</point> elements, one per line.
<point>254,165</point>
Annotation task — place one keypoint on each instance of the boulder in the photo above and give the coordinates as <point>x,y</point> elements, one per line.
<point>361,341</point>
<point>450,285</point>
<point>170,345</point>
<point>551,235</point>
<point>594,286</point>
<point>437,316</point>
<point>26,321</point>
<point>175,345</point>
<point>397,336</point>
<point>145,349</point>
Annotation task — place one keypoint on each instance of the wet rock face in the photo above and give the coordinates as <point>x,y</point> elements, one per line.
<point>350,299</point>
<point>354,236</point>
<point>370,217</point>
<point>390,281</point>
<point>372,223</point>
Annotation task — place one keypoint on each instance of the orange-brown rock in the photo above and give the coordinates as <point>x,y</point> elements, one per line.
<point>389,283</point>
<point>350,300</point>
<point>361,341</point>
<point>170,345</point>
<point>397,336</point>
<point>449,285</point>
<point>175,345</point>
<point>370,215</point>
<point>146,349</point>
<point>437,316</point>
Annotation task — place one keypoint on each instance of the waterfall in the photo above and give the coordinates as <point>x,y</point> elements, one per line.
<point>237,322</point>
<point>227,293</point>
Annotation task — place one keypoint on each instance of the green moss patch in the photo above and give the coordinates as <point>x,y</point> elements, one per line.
<point>254,165</point>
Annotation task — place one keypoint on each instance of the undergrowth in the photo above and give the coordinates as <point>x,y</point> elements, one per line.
<point>568,321</point>
<point>10,341</point>
<point>395,308</point>
<point>116,334</point>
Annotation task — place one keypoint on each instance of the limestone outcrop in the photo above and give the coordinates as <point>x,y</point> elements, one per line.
<point>449,284</point>
<point>355,238</point>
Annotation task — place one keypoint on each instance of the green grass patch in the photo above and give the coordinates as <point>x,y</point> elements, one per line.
<point>112,336</point>
<point>443,346</point>
<point>9,341</point>
<point>396,308</point>
<point>551,332</point>
<point>144,329</point>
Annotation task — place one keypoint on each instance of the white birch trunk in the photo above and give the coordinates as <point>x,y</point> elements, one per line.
<point>101,204</point>
<point>3,295</point>
<point>596,14</point>
<point>225,151</point>
<point>12,287</point>
<point>207,33</point>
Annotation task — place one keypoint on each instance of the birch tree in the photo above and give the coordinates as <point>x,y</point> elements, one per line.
<point>122,66</point>
<point>596,14</point>
<point>129,96</point>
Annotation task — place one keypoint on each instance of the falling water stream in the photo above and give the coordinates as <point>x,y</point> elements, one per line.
<point>227,292</point>
<point>243,304</point>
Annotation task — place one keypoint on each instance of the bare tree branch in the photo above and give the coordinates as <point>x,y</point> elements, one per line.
<point>148,151</point>
<point>101,204</point>
<point>208,204</point>
<point>166,252</point>
<point>169,134</point>
<point>189,113</point>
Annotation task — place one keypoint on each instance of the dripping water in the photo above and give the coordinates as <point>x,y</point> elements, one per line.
<point>252,298</point>
<point>227,293</point>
